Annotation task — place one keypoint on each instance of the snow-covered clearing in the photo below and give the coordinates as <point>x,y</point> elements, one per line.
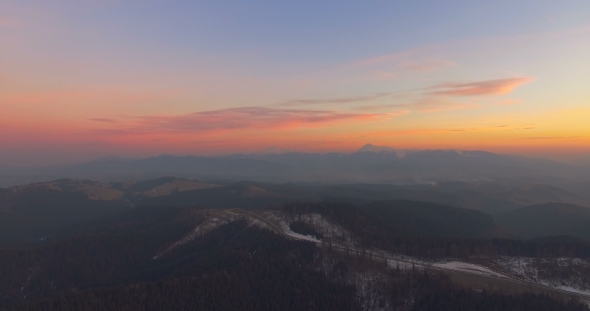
<point>283,221</point>
<point>569,274</point>
<point>206,226</point>
<point>574,290</point>
<point>526,269</point>
<point>343,240</point>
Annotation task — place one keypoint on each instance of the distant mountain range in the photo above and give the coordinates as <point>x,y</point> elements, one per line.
<point>370,164</point>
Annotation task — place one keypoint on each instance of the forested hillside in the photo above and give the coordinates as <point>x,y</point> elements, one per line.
<point>113,263</point>
<point>555,219</point>
<point>432,231</point>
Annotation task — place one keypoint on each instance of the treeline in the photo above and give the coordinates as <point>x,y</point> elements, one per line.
<point>436,292</point>
<point>256,285</point>
<point>432,231</point>
<point>284,286</point>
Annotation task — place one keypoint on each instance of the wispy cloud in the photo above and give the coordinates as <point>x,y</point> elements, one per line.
<point>259,118</point>
<point>380,107</point>
<point>435,104</point>
<point>551,137</point>
<point>103,120</point>
<point>379,59</point>
<point>428,104</point>
<point>426,65</point>
<point>381,75</point>
<point>339,100</point>
<point>480,88</point>
<point>437,98</point>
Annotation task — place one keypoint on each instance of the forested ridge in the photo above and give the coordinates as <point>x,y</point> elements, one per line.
<point>433,231</point>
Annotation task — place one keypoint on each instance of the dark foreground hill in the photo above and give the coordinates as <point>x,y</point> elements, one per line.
<point>132,261</point>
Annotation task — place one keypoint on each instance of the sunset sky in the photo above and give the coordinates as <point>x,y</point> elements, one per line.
<point>86,79</point>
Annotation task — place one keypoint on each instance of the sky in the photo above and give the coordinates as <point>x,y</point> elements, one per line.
<point>81,80</point>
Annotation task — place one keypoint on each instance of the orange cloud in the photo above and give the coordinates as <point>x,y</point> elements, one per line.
<point>481,88</point>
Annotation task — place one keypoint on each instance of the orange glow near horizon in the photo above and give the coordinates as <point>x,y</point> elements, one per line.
<point>323,132</point>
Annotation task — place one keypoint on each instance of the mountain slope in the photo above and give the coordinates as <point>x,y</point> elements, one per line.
<point>554,219</point>
<point>403,219</point>
<point>31,212</point>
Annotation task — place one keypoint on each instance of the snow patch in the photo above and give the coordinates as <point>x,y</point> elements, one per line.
<point>203,228</point>
<point>469,268</point>
<point>574,290</point>
<point>569,274</point>
<point>257,223</point>
<point>368,294</point>
<point>283,221</point>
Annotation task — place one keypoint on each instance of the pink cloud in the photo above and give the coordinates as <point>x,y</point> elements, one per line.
<point>481,88</point>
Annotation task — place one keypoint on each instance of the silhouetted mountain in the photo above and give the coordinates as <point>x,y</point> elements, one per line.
<point>555,219</point>
<point>581,190</point>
